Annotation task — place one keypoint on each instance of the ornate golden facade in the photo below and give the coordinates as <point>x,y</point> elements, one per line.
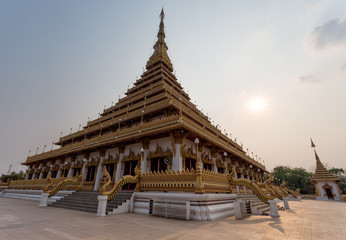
<point>153,127</point>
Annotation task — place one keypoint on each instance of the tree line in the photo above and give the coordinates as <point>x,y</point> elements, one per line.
<point>300,178</point>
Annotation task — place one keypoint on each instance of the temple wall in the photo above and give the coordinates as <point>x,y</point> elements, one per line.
<point>164,143</point>
<point>203,207</point>
<point>112,152</point>
<point>134,148</point>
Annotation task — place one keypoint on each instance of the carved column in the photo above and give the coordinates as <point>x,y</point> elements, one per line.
<point>177,141</point>
<point>58,175</point>
<point>70,171</point>
<point>119,166</point>
<point>99,170</point>
<point>213,158</point>
<point>145,145</point>
<point>242,176</point>
<point>41,173</point>
<point>33,176</point>
<point>85,160</point>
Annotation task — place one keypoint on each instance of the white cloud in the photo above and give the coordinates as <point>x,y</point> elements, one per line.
<point>329,34</point>
<point>308,79</point>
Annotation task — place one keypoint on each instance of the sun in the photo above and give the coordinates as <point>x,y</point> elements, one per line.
<point>257,104</point>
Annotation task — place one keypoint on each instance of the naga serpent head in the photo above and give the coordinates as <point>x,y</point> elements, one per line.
<point>49,179</point>
<point>232,175</point>
<point>270,179</point>
<point>283,184</point>
<point>106,177</point>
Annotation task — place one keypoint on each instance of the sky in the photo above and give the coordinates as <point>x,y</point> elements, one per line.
<point>271,73</point>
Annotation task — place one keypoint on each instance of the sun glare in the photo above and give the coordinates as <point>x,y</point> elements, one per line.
<point>257,104</point>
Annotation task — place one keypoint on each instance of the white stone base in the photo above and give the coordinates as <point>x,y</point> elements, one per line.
<point>273,208</point>
<point>33,195</point>
<point>203,207</point>
<point>286,205</point>
<point>44,200</point>
<point>102,205</point>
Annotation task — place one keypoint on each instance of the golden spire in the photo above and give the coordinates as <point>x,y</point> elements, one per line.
<point>321,173</point>
<point>160,47</point>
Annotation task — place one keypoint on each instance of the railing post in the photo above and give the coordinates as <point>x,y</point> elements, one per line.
<point>273,208</point>
<point>102,206</point>
<point>285,199</point>
<point>44,200</point>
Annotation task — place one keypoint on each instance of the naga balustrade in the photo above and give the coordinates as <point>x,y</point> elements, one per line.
<point>40,184</point>
<point>197,181</point>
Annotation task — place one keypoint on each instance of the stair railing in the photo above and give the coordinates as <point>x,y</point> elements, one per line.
<point>107,181</point>
<point>252,185</point>
<point>65,181</point>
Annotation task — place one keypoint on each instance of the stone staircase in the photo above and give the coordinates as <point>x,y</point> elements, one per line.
<point>257,206</point>
<point>86,201</point>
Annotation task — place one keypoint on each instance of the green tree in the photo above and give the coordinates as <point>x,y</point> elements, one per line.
<point>13,176</point>
<point>295,178</point>
<point>341,173</point>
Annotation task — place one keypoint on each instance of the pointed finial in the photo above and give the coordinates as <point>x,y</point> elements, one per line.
<point>160,48</point>
<point>312,143</point>
<point>162,15</point>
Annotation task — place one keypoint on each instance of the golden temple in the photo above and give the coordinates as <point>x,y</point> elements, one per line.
<point>155,116</point>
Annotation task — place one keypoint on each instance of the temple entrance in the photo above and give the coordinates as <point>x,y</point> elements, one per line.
<point>129,169</point>
<point>329,193</point>
<point>158,164</point>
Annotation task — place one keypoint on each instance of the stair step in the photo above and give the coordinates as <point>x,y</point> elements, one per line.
<point>87,201</point>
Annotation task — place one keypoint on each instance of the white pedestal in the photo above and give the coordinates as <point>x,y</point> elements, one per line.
<point>237,210</point>
<point>101,209</point>
<point>44,200</point>
<point>285,199</point>
<point>273,208</point>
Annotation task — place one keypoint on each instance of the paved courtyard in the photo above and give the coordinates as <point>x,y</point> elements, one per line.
<point>308,219</point>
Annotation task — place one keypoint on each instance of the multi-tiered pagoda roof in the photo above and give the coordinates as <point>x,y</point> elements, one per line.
<point>155,106</point>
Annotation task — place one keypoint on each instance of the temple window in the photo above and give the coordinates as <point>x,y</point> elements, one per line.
<point>207,166</point>
<point>64,173</point>
<point>238,175</point>
<point>129,168</point>
<point>53,174</point>
<point>158,164</point>
<point>30,176</point>
<point>190,163</point>
<point>45,174</point>
<point>221,170</point>
<point>90,174</point>
<point>76,171</point>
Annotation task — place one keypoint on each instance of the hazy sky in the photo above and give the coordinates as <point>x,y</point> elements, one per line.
<point>272,73</point>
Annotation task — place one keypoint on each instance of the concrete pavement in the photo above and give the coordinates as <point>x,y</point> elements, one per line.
<point>308,219</point>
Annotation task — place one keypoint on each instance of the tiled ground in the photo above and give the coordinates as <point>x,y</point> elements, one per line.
<point>308,219</point>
